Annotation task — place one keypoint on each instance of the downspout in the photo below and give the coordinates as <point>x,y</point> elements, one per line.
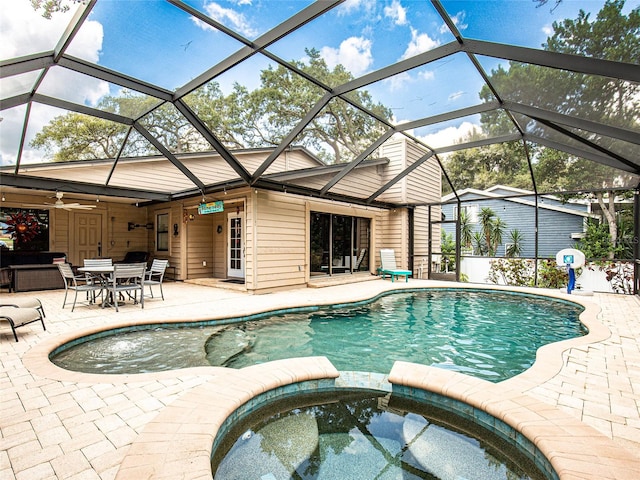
<point>429,243</point>
<point>636,237</point>
<point>458,232</point>
<point>411,233</point>
<point>536,218</point>
<point>535,252</point>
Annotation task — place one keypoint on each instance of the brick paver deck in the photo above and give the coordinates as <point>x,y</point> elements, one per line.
<point>57,424</point>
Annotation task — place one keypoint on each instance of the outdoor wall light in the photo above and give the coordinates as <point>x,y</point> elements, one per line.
<point>133,226</point>
<point>219,229</point>
<point>192,217</point>
<point>175,229</point>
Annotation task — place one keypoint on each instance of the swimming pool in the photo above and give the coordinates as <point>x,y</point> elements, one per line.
<point>492,335</point>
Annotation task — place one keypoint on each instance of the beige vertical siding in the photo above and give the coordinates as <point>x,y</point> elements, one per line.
<point>59,231</point>
<point>174,255</point>
<point>279,240</point>
<point>200,239</point>
<point>395,151</point>
<point>117,238</point>
<point>424,186</point>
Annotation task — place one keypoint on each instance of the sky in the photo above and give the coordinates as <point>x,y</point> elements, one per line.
<point>156,42</point>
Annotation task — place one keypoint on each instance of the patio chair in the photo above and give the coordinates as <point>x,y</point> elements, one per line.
<point>19,317</point>
<point>126,278</point>
<point>155,275</point>
<point>363,251</point>
<point>388,265</point>
<point>78,283</point>
<point>98,262</point>
<point>23,302</point>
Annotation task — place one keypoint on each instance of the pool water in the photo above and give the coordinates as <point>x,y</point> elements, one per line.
<point>491,335</point>
<point>364,435</point>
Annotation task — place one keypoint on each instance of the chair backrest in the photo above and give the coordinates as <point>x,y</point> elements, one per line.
<point>388,259</point>
<point>360,257</point>
<point>98,262</point>
<point>158,266</point>
<point>134,271</point>
<point>66,271</point>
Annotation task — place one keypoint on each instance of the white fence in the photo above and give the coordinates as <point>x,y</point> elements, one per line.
<point>477,269</point>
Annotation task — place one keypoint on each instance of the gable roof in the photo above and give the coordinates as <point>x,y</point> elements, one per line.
<point>521,198</point>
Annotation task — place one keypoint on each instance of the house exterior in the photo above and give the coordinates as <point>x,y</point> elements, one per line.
<point>560,224</point>
<point>261,239</point>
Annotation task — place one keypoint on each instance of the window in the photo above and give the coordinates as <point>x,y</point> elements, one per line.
<point>471,211</point>
<point>162,232</point>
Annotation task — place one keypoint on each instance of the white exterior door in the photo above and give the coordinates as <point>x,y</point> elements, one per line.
<point>88,237</point>
<point>235,255</point>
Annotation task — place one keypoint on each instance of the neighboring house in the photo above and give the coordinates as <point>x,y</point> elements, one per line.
<point>560,224</point>
<point>264,239</point>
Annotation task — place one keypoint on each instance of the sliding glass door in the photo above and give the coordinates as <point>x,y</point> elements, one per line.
<point>339,244</point>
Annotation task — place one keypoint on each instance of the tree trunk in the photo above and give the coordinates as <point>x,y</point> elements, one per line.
<point>609,211</point>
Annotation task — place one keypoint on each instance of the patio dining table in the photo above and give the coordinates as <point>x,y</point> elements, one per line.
<point>101,274</point>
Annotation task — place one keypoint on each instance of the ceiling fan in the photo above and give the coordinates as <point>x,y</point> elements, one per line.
<point>65,206</point>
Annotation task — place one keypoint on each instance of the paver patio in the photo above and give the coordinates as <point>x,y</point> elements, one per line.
<point>58,424</point>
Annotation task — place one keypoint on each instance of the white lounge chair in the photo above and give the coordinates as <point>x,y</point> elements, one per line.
<point>388,265</point>
<point>19,317</point>
<point>23,302</point>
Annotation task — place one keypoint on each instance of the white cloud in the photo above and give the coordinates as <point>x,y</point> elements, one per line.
<point>449,135</point>
<point>427,74</point>
<point>458,21</point>
<point>547,30</point>
<point>354,53</point>
<point>25,31</point>
<point>420,42</point>
<point>402,80</point>
<point>85,90</point>
<point>399,82</point>
<point>396,12</point>
<point>229,17</point>
<point>350,6</point>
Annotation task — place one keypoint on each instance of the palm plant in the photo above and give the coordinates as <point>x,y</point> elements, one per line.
<point>486,221</point>
<point>466,230</point>
<point>479,245</point>
<point>515,239</point>
<point>497,229</point>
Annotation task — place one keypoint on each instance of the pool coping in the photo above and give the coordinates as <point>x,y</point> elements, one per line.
<point>178,442</point>
<point>570,445</point>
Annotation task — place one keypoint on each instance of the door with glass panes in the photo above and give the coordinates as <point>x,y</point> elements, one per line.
<point>235,255</point>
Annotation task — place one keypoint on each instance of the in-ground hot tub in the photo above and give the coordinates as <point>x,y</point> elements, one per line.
<point>359,433</point>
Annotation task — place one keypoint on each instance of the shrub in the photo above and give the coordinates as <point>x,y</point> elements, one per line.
<point>550,275</point>
<point>512,271</point>
<point>620,275</point>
